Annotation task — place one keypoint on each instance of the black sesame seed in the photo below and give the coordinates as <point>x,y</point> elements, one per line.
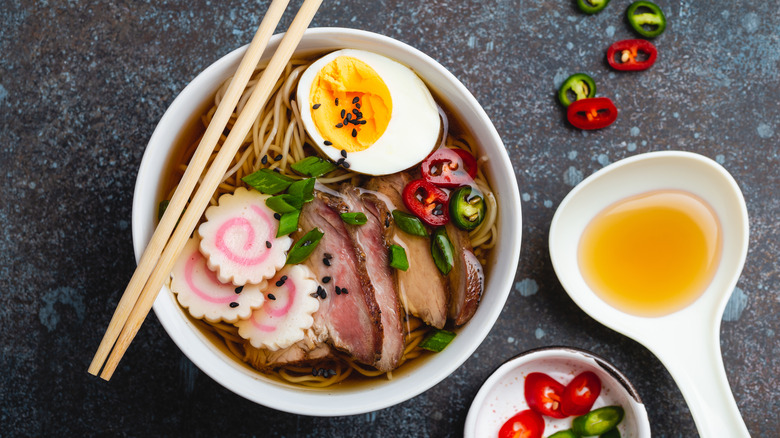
<point>356,99</point>
<point>314,294</point>
<point>357,105</point>
<point>327,143</point>
<point>314,370</point>
<point>338,290</point>
<point>277,216</point>
<point>268,244</point>
<point>321,292</point>
<point>345,164</point>
<point>340,125</point>
<point>340,161</point>
<point>356,112</point>
<point>326,280</point>
<point>271,297</point>
<point>316,105</point>
<point>239,289</point>
<point>343,112</point>
<point>276,169</point>
<point>280,283</point>
<point>387,222</point>
<point>363,122</point>
<point>354,132</point>
<point>348,118</point>
<point>306,243</point>
<point>344,290</point>
<point>278,157</point>
<point>326,262</point>
<point>233,304</point>
<point>264,160</point>
<point>344,153</point>
<point>328,255</point>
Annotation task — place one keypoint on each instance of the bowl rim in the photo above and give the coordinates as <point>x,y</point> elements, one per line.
<point>333,402</point>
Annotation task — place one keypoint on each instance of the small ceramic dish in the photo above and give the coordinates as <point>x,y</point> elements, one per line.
<point>502,394</point>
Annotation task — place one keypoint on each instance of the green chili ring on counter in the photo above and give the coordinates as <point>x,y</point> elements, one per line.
<point>580,85</point>
<point>467,208</point>
<point>649,22</point>
<point>592,6</point>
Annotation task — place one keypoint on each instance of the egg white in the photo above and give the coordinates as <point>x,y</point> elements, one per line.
<point>414,125</point>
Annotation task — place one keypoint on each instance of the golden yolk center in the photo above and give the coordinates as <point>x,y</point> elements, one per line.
<point>354,104</point>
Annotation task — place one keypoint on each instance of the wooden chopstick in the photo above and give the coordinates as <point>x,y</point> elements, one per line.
<point>164,263</point>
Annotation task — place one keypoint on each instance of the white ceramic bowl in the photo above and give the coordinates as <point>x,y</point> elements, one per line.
<point>501,396</point>
<point>381,393</point>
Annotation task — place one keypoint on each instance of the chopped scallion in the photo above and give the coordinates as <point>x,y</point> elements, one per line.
<point>354,218</point>
<point>398,258</point>
<point>303,189</point>
<point>267,181</point>
<point>301,250</point>
<point>313,167</point>
<point>437,340</point>
<point>288,223</point>
<point>409,223</point>
<point>284,203</point>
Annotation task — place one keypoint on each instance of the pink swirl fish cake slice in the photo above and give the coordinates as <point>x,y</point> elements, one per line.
<point>239,239</point>
<point>286,314</point>
<point>204,296</point>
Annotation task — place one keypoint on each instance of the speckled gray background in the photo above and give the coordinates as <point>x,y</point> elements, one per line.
<point>83,84</point>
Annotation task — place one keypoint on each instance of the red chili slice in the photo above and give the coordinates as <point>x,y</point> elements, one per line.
<point>451,168</point>
<point>580,394</point>
<point>427,202</point>
<point>543,394</point>
<point>592,113</point>
<point>525,424</point>
<point>635,55</point>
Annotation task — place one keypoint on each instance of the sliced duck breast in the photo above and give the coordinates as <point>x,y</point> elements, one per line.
<point>376,275</point>
<point>466,279</point>
<point>422,289</point>
<point>348,318</point>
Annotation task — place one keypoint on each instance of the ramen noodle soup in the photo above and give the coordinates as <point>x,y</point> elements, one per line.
<point>349,235</point>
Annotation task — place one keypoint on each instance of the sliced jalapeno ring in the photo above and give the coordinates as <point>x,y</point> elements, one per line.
<point>576,87</point>
<point>467,208</point>
<point>592,6</point>
<point>646,18</point>
<point>598,421</point>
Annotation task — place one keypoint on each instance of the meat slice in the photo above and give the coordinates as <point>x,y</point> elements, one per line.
<point>422,289</point>
<point>466,278</point>
<point>349,321</point>
<point>376,275</point>
<point>307,350</point>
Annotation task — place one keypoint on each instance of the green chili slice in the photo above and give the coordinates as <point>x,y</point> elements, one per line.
<point>437,340</point>
<point>442,250</point>
<point>288,223</point>
<point>313,167</point>
<point>409,223</point>
<point>467,208</point>
<point>398,258</point>
<point>304,247</point>
<point>598,421</point>
<point>592,6</point>
<point>576,87</point>
<point>267,181</point>
<point>646,18</point>
<point>357,218</point>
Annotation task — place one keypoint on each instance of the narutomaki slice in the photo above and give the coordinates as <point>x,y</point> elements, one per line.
<point>239,238</point>
<point>204,296</point>
<point>287,311</point>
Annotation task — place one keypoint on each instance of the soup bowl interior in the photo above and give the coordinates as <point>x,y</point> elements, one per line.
<point>412,379</point>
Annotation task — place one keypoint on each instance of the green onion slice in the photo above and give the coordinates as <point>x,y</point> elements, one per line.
<point>437,340</point>
<point>288,223</point>
<point>398,258</point>
<point>284,203</point>
<point>161,208</point>
<point>409,223</point>
<point>304,247</point>
<point>354,218</point>
<point>442,251</point>
<point>313,167</point>
<point>303,189</point>
<point>267,181</point>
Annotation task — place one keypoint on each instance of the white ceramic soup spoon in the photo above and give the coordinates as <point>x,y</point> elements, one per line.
<point>687,341</point>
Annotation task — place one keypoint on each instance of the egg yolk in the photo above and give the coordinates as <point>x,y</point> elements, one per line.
<point>351,105</point>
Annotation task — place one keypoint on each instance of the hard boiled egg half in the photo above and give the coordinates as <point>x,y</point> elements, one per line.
<point>368,112</point>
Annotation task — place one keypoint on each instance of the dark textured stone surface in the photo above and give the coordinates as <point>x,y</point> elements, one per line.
<point>83,84</point>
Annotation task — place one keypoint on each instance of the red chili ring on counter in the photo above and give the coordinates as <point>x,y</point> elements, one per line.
<point>635,55</point>
<point>427,202</point>
<point>592,113</point>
